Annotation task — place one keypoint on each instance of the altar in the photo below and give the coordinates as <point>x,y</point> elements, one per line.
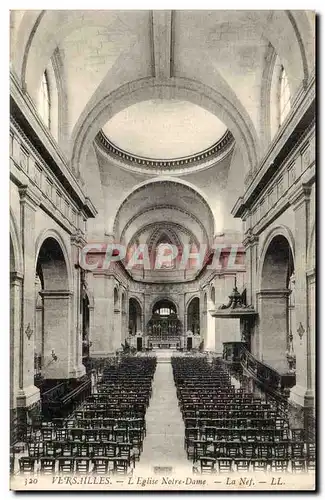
<point>164,329</point>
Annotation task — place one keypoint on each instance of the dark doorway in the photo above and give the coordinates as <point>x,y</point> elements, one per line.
<point>189,343</point>
<point>139,344</point>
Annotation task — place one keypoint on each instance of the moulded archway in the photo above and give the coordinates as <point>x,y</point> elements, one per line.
<point>183,89</point>
<point>193,316</point>
<point>277,269</point>
<point>57,348</point>
<point>135,316</point>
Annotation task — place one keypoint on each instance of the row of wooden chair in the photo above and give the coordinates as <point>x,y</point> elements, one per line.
<point>209,465</point>
<point>197,448</point>
<point>74,465</point>
<point>230,428</point>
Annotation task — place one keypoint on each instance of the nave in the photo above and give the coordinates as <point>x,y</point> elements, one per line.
<point>149,412</point>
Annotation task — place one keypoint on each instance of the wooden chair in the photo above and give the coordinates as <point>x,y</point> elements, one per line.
<point>47,465</point>
<point>125,451</point>
<point>101,465</point>
<point>311,451</point>
<point>281,450</point>
<point>207,465</point>
<point>242,465</point>
<point>120,466</point>
<point>311,464</point>
<point>224,465</point>
<point>35,450</point>
<point>298,465</point>
<point>200,450</point>
<point>47,433</point>
<point>50,449</point>
<point>279,465</point>
<point>61,434</point>
<point>26,465</point>
<point>82,449</point>
<point>67,450</point>
<point>82,465</point>
<point>297,450</point>
<point>260,465</point>
<point>66,465</point>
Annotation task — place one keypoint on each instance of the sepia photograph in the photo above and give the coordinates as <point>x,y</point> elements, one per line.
<point>162,250</point>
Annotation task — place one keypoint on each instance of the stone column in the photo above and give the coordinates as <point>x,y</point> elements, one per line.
<point>38,346</point>
<point>28,393</point>
<point>16,336</point>
<point>302,394</point>
<point>117,339</point>
<point>103,322</point>
<point>79,278</point>
<point>311,277</point>
<point>273,328</point>
<point>211,327</point>
<point>91,324</point>
<point>59,336</point>
<point>251,244</point>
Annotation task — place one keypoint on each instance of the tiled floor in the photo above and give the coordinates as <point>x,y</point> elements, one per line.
<point>164,442</point>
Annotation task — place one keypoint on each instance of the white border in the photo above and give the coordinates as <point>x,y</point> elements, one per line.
<point>4,178</point>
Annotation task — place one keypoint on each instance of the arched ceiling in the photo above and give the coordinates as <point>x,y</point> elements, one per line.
<point>161,85</point>
<point>213,59</point>
<point>167,201</point>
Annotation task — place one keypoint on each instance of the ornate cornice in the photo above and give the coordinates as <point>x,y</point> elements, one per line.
<point>202,159</point>
<point>299,123</point>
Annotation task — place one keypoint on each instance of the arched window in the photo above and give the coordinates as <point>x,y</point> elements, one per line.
<point>44,100</point>
<point>284,96</point>
<point>279,97</point>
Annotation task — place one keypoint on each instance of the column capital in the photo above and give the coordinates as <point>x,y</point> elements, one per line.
<point>250,239</point>
<point>300,196</point>
<point>78,239</point>
<point>30,196</point>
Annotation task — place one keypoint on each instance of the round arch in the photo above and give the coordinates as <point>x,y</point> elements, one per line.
<point>16,250</point>
<point>277,231</point>
<point>162,179</point>
<point>196,92</point>
<point>311,254</point>
<point>136,299</point>
<point>193,315</point>
<point>276,312</point>
<point>135,316</point>
<point>54,235</point>
<point>154,301</point>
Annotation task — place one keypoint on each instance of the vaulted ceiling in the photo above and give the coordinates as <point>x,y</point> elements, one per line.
<point>161,85</point>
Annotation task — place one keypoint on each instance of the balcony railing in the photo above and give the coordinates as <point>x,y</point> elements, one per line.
<point>271,381</point>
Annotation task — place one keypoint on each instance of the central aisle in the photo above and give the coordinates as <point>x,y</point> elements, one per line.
<point>164,443</point>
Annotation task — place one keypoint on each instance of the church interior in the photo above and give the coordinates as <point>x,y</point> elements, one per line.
<point>162,241</point>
